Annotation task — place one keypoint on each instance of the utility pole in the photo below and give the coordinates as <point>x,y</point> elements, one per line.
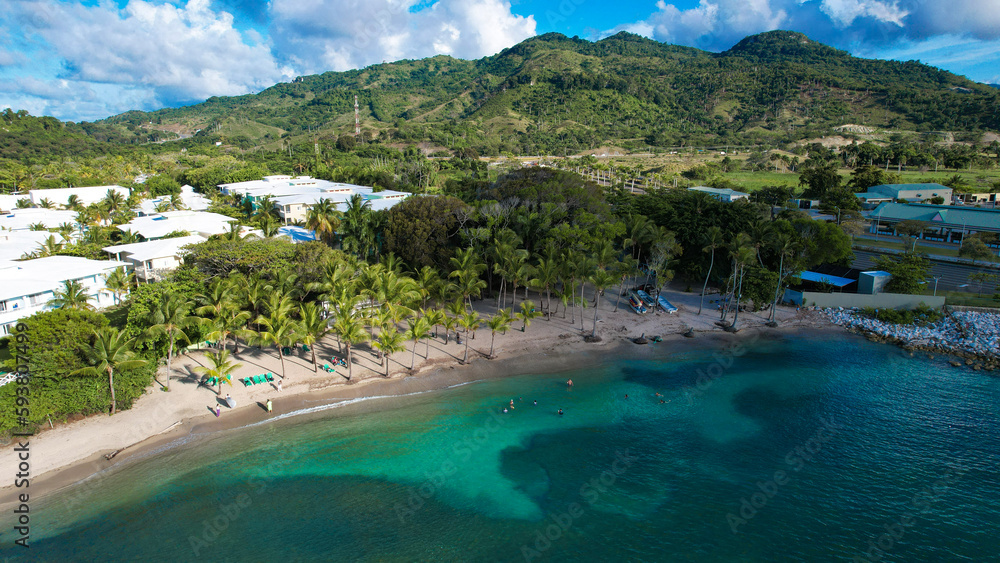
<point>357,117</point>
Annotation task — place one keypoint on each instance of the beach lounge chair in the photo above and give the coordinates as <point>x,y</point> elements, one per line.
<point>326,367</point>
<point>246,382</point>
<point>258,379</point>
<point>269,376</point>
<point>286,350</point>
<point>305,348</point>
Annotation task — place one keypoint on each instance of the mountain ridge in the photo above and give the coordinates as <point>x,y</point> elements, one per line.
<point>554,94</point>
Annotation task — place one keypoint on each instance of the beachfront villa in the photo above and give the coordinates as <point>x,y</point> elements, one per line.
<point>24,219</point>
<point>727,195</point>
<point>151,259</point>
<point>26,287</point>
<point>293,196</point>
<point>86,196</point>
<point>159,225</point>
<point>946,223</point>
<point>15,244</point>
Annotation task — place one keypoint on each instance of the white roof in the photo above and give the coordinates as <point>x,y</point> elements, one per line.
<point>29,277</point>
<point>387,194</point>
<point>160,224</point>
<point>22,219</point>
<point>193,201</point>
<point>153,249</point>
<point>8,202</point>
<point>88,195</point>
<point>279,186</point>
<point>14,244</point>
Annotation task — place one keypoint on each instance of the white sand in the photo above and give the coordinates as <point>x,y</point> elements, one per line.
<point>79,443</point>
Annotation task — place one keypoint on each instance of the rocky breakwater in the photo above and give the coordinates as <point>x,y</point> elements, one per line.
<point>973,336</point>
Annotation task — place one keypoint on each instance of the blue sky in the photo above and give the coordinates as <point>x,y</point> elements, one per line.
<point>88,59</point>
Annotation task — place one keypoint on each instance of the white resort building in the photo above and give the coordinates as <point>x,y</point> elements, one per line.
<point>159,225</point>
<point>27,287</point>
<point>293,196</point>
<point>151,259</point>
<point>86,196</point>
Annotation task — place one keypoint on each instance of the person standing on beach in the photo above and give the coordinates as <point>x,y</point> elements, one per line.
<point>279,385</point>
<point>270,406</point>
<point>218,411</point>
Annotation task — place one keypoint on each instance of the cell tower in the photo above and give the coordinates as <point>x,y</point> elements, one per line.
<point>357,117</point>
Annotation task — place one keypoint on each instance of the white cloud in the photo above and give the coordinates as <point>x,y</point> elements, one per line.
<point>708,22</point>
<point>321,35</point>
<point>844,12</point>
<point>179,53</point>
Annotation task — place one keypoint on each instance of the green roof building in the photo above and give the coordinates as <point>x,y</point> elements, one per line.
<point>944,222</point>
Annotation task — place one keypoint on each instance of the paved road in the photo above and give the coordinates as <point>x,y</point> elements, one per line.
<point>950,276</point>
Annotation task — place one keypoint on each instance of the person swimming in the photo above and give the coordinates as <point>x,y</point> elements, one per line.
<point>560,412</point>
<point>535,402</point>
<point>569,383</point>
<point>505,410</point>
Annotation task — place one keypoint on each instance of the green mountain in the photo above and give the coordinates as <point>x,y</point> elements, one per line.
<point>553,94</point>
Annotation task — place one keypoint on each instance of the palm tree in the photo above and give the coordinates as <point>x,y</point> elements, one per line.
<point>73,202</point>
<point>110,350</point>
<point>230,323</point>
<point>469,322</point>
<point>499,322</point>
<point>170,318</point>
<point>219,368</point>
<point>388,342</point>
<point>468,266</point>
<point>46,203</point>
<point>73,295</point>
<point>546,275</point>
<point>351,331</point>
<point>314,328</point>
<point>602,279</point>
<point>114,201</point>
<point>786,248</point>
<point>324,219</point>
<point>118,281</point>
<point>278,329</point>
<point>713,238</point>
<point>526,313</point>
<point>744,256</point>
<point>417,329</point>
<point>49,247</point>
<point>357,238</point>
<point>428,279</point>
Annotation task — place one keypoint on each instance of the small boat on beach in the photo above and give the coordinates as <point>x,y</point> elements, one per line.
<point>636,304</point>
<point>646,299</point>
<point>665,305</point>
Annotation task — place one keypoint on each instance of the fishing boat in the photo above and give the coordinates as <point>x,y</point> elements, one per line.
<point>665,305</point>
<point>636,304</point>
<point>646,299</point>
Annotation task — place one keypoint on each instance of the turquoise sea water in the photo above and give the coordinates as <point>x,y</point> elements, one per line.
<point>796,450</point>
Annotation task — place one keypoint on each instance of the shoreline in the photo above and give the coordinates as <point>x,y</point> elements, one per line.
<point>546,347</point>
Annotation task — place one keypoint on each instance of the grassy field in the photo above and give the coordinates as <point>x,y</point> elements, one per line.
<point>940,251</point>
<point>963,299</point>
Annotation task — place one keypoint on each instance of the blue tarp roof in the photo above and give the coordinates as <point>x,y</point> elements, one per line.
<point>826,278</point>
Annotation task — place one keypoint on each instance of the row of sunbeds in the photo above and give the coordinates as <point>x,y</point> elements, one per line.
<point>257,379</point>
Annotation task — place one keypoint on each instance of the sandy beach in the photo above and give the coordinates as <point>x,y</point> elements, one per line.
<point>73,451</point>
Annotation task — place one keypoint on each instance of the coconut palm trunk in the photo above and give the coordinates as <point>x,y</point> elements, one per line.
<point>704,286</point>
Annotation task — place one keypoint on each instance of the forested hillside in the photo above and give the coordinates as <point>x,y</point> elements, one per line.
<point>553,94</point>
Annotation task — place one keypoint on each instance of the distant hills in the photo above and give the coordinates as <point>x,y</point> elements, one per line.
<point>554,94</point>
